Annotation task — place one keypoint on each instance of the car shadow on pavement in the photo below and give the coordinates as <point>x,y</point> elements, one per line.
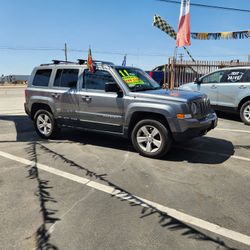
<point>229,116</point>
<point>198,150</point>
<point>204,150</point>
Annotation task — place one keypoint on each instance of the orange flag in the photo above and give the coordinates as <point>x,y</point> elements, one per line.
<point>90,62</point>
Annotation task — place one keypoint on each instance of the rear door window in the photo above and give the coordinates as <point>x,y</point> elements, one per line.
<point>66,78</point>
<point>42,77</point>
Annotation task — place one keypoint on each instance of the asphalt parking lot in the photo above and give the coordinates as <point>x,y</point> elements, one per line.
<point>93,191</point>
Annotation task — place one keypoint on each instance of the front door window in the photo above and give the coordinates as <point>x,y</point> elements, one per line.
<point>96,81</point>
<point>213,78</point>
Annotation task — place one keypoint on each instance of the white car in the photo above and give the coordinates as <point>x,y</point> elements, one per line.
<point>228,90</point>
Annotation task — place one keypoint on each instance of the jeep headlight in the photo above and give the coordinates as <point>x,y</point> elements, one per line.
<point>194,108</point>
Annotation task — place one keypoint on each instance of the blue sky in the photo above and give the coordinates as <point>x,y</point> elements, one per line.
<point>112,28</point>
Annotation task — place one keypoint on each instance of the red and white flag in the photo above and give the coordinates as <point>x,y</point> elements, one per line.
<point>183,35</point>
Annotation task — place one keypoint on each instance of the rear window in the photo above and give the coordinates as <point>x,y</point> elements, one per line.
<point>246,77</point>
<point>42,77</point>
<point>66,78</point>
<point>234,76</point>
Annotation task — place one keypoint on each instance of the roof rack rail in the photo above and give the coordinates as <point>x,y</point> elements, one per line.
<point>103,62</point>
<point>79,61</point>
<point>57,62</point>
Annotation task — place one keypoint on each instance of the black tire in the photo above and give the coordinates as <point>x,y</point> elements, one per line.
<point>163,135</point>
<point>52,129</point>
<point>245,113</point>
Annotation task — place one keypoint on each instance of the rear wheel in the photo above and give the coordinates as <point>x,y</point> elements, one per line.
<point>151,138</point>
<point>245,113</point>
<point>45,124</point>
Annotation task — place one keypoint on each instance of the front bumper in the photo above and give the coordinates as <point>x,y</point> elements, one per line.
<point>189,128</point>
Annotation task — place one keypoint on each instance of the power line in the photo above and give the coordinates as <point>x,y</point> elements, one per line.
<point>208,6</point>
<point>120,53</point>
<point>77,50</point>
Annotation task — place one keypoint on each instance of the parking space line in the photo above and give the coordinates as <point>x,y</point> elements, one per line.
<point>239,237</point>
<point>233,130</point>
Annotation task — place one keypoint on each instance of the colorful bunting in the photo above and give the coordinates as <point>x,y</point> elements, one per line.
<point>221,35</point>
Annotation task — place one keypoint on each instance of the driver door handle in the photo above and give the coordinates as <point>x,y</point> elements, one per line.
<point>86,98</point>
<point>55,95</point>
<point>242,87</point>
<point>213,86</point>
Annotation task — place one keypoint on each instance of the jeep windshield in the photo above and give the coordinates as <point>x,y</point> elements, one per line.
<point>136,79</point>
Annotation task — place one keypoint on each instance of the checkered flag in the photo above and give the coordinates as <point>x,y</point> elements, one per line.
<point>164,26</point>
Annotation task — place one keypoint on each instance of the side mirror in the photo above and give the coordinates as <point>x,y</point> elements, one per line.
<point>112,87</point>
<point>197,80</point>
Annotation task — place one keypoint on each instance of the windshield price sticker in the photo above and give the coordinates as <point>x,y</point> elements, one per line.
<point>130,79</point>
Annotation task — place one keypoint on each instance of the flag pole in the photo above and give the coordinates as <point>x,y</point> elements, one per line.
<point>66,52</point>
<point>173,68</point>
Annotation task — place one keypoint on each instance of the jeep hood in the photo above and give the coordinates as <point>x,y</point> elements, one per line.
<point>175,95</point>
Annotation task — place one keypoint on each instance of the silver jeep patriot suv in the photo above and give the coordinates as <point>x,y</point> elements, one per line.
<point>117,100</point>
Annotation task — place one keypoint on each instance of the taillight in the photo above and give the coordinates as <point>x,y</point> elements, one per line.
<point>151,73</point>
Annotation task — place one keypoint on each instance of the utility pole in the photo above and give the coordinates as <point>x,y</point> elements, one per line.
<point>181,55</point>
<point>66,52</point>
<point>249,58</point>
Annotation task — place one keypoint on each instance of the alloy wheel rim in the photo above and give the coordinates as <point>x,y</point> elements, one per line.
<point>246,113</point>
<point>149,139</point>
<point>44,124</point>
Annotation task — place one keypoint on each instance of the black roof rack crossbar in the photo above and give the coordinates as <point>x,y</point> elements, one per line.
<point>60,61</point>
<point>83,61</point>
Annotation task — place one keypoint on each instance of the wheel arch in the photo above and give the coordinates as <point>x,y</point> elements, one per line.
<point>37,106</point>
<point>245,99</point>
<point>142,115</point>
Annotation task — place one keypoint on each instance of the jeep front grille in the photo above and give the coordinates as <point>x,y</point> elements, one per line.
<point>203,106</point>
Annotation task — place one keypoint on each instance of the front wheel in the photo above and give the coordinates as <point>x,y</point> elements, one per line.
<point>151,138</point>
<point>45,124</point>
<point>245,113</point>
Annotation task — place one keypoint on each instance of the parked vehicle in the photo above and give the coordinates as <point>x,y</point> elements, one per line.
<point>114,99</point>
<point>187,72</point>
<point>158,74</point>
<point>228,90</point>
